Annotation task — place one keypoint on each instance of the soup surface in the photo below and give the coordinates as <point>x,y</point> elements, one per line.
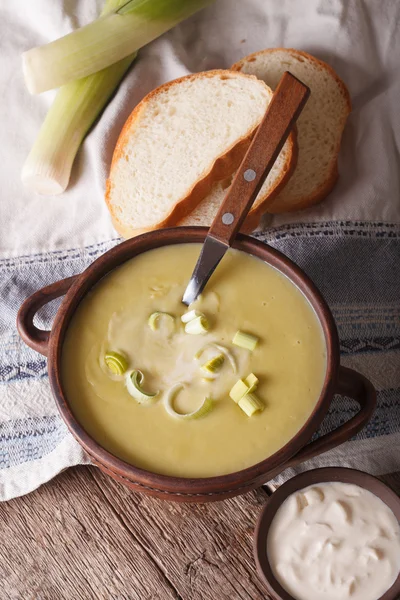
<point>243,294</point>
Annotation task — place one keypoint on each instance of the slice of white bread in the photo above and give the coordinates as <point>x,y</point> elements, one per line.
<point>182,138</point>
<point>319,127</point>
<point>205,212</point>
<point>280,173</point>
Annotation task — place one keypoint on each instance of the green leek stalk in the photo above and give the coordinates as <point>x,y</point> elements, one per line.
<point>77,105</point>
<point>103,42</point>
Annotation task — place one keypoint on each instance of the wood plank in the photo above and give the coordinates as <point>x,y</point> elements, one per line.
<point>205,549</point>
<point>65,542</point>
<point>83,536</point>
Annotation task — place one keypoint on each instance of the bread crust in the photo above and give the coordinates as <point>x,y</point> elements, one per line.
<point>253,218</point>
<point>222,167</point>
<point>282,204</point>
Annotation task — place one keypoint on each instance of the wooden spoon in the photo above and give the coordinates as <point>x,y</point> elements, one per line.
<point>284,109</point>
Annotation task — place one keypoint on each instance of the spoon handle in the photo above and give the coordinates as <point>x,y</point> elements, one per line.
<point>284,109</point>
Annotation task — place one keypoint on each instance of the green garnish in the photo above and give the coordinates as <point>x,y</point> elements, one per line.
<point>250,404</point>
<point>252,382</point>
<point>239,390</point>
<point>205,408</point>
<point>221,349</point>
<point>214,364</point>
<point>195,322</point>
<point>116,362</point>
<point>156,317</point>
<point>243,387</point>
<point>134,381</point>
<point>241,393</point>
<point>189,316</point>
<point>197,326</point>
<point>245,340</point>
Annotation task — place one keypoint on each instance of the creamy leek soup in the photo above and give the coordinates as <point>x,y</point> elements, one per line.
<point>199,391</point>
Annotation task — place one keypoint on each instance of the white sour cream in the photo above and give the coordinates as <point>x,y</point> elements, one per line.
<point>334,541</point>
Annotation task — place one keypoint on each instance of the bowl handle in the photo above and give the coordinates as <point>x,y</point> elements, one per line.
<point>356,386</point>
<point>34,337</point>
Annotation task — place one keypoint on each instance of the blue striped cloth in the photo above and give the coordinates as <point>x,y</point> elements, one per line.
<point>355,265</point>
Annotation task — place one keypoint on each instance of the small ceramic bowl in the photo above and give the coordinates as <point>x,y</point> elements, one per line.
<point>328,474</point>
<point>338,380</point>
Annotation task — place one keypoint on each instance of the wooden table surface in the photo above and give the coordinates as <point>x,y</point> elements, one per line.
<point>83,536</point>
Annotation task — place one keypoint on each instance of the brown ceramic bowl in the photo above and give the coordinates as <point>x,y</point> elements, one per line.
<point>337,379</point>
<point>328,474</point>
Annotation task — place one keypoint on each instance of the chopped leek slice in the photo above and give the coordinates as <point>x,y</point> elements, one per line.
<point>214,364</point>
<point>228,355</point>
<point>220,348</point>
<point>102,381</point>
<point>134,381</point>
<point>245,340</point>
<point>200,352</point>
<point>239,390</point>
<point>116,362</point>
<point>205,408</point>
<point>47,168</point>
<point>251,381</point>
<point>195,322</point>
<point>243,387</point>
<point>155,318</point>
<point>189,316</point>
<point>103,42</point>
<point>250,404</point>
<point>197,326</point>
